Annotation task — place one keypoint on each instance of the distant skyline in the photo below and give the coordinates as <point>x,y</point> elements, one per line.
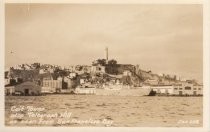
<point>159,37</point>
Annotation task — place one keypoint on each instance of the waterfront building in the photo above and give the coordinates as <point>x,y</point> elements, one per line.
<point>28,88</point>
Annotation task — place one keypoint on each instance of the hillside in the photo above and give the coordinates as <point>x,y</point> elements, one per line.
<point>126,73</point>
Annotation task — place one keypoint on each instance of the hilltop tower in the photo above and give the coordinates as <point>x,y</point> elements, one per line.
<point>106,54</point>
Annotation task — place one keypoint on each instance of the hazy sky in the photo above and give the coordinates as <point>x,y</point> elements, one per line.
<point>162,38</point>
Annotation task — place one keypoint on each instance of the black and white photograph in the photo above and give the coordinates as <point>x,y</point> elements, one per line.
<point>104,65</point>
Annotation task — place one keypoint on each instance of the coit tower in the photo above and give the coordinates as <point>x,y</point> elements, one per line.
<point>106,54</point>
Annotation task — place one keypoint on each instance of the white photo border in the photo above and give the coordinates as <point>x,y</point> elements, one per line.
<point>206,66</point>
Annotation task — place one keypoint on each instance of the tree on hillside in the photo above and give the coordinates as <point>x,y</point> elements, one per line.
<point>36,65</point>
<point>112,67</point>
<point>112,62</point>
<point>99,62</point>
<point>59,72</point>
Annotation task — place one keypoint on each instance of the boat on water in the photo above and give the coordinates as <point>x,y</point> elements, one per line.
<point>118,90</point>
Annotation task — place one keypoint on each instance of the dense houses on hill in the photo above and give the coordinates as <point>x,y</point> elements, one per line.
<point>36,79</point>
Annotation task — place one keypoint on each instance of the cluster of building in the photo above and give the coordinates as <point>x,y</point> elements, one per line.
<point>50,79</point>
<point>36,79</point>
<point>85,83</point>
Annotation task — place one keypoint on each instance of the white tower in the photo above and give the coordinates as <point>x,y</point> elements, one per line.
<point>106,54</point>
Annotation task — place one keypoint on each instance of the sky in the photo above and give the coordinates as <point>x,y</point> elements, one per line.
<point>162,38</point>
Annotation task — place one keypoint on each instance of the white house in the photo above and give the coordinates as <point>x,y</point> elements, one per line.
<point>72,75</point>
<point>126,73</point>
<point>98,69</point>
<point>152,81</point>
